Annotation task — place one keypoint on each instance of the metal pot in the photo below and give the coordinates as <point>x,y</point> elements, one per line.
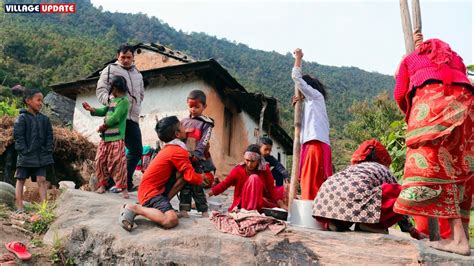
<point>275,213</point>
<point>301,214</point>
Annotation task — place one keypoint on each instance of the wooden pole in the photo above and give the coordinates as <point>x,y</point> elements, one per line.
<point>296,150</point>
<point>433,225</point>
<point>406,25</point>
<point>416,16</point>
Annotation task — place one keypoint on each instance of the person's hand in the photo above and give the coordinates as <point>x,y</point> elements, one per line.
<point>205,181</point>
<point>298,53</point>
<point>286,181</point>
<point>102,128</point>
<point>88,107</point>
<point>194,158</point>
<point>282,205</point>
<point>417,39</point>
<point>210,194</point>
<point>294,99</point>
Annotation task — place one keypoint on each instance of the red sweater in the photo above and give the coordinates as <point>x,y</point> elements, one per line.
<point>417,67</point>
<point>171,157</point>
<point>238,176</point>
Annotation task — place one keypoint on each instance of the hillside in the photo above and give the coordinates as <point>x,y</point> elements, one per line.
<point>39,49</point>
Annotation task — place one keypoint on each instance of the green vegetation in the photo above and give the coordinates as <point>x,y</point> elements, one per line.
<point>471,229</point>
<point>44,212</point>
<point>57,255</point>
<point>3,211</point>
<point>9,107</point>
<point>379,118</point>
<point>36,242</point>
<point>42,50</point>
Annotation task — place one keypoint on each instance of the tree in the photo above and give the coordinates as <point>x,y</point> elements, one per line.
<point>380,118</point>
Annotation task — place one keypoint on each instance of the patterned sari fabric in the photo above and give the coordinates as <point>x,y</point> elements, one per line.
<point>110,161</point>
<point>356,194</point>
<point>440,153</point>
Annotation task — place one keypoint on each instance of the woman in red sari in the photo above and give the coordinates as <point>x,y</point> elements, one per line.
<point>254,184</point>
<point>433,91</point>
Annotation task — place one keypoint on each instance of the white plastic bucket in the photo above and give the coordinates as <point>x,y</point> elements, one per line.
<point>301,214</point>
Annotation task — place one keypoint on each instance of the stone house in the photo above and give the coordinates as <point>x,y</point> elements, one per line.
<point>169,76</point>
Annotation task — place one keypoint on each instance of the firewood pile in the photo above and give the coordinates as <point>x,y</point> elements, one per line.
<point>73,153</point>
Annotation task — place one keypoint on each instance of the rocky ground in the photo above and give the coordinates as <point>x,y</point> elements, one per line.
<point>13,227</point>
<point>88,229</point>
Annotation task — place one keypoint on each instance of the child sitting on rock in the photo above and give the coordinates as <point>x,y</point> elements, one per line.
<point>110,159</point>
<point>198,134</point>
<point>166,175</point>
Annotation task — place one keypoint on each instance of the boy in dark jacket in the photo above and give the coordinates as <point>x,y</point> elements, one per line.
<point>198,134</point>
<point>280,174</point>
<point>33,136</point>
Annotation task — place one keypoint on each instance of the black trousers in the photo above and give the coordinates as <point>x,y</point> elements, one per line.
<point>133,142</point>
<point>189,192</point>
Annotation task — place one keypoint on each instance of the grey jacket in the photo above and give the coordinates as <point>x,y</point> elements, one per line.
<point>135,85</point>
<point>33,140</point>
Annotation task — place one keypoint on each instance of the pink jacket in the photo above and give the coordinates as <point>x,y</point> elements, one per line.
<point>435,60</point>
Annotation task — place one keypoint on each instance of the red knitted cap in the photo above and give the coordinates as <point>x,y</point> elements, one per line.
<point>381,154</point>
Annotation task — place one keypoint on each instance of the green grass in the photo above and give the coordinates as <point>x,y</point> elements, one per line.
<point>57,255</point>
<point>471,229</point>
<point>3,211</point>
<point>46,212</point>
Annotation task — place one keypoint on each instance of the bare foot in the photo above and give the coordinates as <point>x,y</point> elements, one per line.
<point>205,215</point>
<point>100,190</point>
<point>125,194</point>
<point>184,214</point>
<point>451,245</point>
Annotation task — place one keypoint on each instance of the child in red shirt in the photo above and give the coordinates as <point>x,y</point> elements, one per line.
<point>160,183</point>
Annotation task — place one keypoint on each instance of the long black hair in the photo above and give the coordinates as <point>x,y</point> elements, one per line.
<point>120,84</point>
<point>316,84</point>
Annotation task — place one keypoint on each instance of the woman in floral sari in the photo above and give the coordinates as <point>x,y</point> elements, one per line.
<point>433,91</point>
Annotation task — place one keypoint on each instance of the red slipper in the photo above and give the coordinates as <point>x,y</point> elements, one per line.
<point>19,249</point>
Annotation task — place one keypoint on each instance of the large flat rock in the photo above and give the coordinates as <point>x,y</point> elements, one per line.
<point>89,229</point>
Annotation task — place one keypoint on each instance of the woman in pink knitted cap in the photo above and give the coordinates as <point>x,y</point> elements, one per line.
<point>433,91</point>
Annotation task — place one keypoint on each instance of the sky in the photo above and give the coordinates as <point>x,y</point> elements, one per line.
<point>364,34</point>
